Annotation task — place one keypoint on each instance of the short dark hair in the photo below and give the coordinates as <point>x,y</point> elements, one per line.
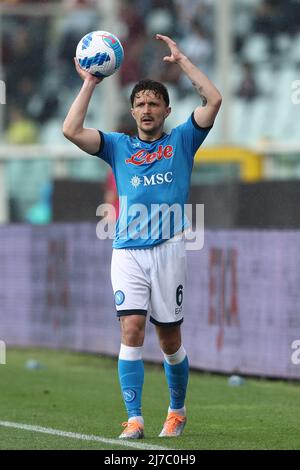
<point>158,89</point>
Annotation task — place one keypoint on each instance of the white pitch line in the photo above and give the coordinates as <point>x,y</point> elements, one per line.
<point>83,437</point>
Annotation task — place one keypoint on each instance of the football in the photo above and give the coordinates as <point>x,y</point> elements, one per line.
<point>100,53</point>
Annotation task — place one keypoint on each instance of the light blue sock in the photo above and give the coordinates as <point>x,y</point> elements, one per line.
<point>177,377</point>
<point>131,376</point>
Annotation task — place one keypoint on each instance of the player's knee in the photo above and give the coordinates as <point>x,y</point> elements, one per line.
<point>170,346</point>
<point>133,336</point>
<point>133,330</point>
<point>169,339</point>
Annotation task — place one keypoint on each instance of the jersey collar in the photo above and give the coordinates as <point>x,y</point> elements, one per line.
<point>151,141</point>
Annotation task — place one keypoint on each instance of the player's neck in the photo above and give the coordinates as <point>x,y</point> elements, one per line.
<point>150,137</point>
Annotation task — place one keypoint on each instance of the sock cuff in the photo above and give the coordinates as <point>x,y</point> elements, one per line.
<point>180,411</point>
<point>130,353</point>
<point>175,358</point>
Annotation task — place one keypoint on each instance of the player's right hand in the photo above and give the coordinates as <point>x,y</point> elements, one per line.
<point>84,75</point>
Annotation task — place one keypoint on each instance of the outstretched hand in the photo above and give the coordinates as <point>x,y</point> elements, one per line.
<point>85,75</point>
<point>176,55</point>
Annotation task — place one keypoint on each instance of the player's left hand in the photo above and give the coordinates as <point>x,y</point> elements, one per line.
<point>176,54</point>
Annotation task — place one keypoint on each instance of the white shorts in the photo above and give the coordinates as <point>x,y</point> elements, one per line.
<point>151,279</point>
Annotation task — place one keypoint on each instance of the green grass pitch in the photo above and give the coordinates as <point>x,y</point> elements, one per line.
<point>80,393</point>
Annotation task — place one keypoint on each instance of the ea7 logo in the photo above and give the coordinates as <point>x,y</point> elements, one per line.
<point>158,178</point>
<point>2,352</point>
<point>295,357</point>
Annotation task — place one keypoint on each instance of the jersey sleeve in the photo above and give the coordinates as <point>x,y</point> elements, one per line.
<point>108,146</point>
<point>192,135</point>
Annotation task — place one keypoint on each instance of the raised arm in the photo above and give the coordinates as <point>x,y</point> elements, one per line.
<point>85,138</point>
<point>211,98</point>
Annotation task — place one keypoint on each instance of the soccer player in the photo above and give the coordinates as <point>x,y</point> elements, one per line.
<point>148,268</point>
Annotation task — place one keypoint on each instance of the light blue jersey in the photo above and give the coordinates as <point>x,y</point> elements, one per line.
<point>153,182</point>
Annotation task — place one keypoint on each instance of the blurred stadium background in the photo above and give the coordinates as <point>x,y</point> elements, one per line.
<point>251,49</point>
<point>243,303</point>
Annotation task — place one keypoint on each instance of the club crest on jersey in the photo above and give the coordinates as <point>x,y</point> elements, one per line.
<point>142,156</point>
